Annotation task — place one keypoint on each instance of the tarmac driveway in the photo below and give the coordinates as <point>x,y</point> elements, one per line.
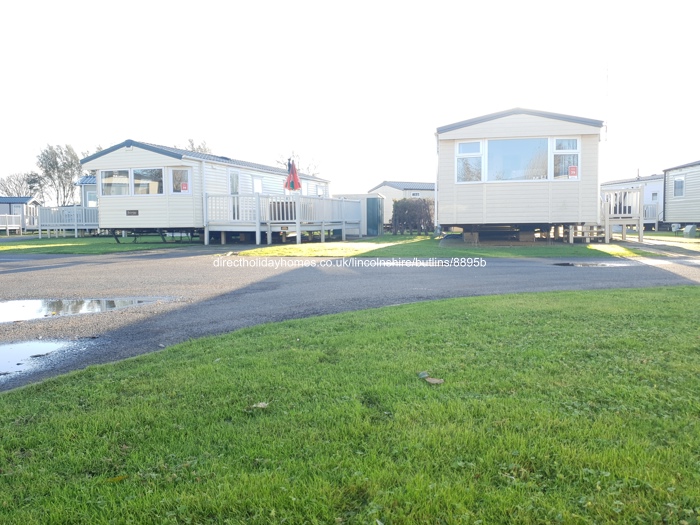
<point>201,293</point>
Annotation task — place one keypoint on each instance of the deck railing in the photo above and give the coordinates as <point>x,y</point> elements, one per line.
<point>298,211</point>
<point>11,222</point>
<point>68,218</point>
<point>229,209</point>
<point>623,207</point>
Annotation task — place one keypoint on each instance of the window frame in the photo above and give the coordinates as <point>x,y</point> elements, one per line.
<point>88,201</point>
<point>681,179</point>
<point>133,182</point>
<point>171,180</point>
<point>552,152</point>
<point>128,183</point>
<point>234,174</point>
<point>479,155</point>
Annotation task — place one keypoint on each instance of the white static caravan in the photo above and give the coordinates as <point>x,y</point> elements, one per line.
<point>518,168</point>
<point>144,186</point>
<point>682,194</point>
<point>18,213</point>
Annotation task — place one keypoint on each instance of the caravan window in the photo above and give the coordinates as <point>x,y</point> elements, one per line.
<point>233,181</point>
<point>517,159</point>
<point>469,162</point>
<point>565,157</point>
<point>148,181</point>
<point>679,186</point>
<point>180,178</point>
<point>114,182</point>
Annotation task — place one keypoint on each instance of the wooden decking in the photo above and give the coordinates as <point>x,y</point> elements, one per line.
<point>64,218</point>
<point>280,213</point>
<point>623,208</point>
<point>11,223</point>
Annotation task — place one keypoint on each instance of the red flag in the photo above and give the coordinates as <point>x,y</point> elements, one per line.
<point>292,183</point>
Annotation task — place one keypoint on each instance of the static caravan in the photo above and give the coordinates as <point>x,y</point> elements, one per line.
<point>18,213</point>
<point>521,169</point>
<point>144,186</point>
<point>682,194</point>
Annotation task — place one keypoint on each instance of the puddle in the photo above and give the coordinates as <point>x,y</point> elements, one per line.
<point>593,265</point>
<point>17,357</point>
<point>26,309</point>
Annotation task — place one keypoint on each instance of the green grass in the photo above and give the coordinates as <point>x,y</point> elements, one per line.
<point>407,246</point>
<point>86,245</point>
<point>556,408</point>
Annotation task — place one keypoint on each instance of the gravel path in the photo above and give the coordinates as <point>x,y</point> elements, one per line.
<point>203,294</point>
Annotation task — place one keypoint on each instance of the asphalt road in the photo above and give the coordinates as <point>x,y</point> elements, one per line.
<point>201,293</point>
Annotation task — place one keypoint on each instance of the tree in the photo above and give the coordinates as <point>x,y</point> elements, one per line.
<point>21,185</point>
<point>201,148</point>
<point>413,214</point>
<point>60,170</point>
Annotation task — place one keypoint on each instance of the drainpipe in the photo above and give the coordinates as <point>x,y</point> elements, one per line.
<point>437,176</point>
<point>205,211</point>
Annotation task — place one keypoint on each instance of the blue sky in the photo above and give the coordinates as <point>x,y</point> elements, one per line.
<point>357,89</point>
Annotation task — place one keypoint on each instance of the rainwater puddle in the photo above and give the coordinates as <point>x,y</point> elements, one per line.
<point>17,357</point>
<point>26,309</point>
<point>592,265</point>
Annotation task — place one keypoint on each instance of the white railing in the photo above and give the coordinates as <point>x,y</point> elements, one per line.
<point>68,218</point>
<point>231,209</point>
<point>623,207</point>
<point>623,204</point>
<point>263,212</point>
<point>11,222</point>
<point>651,212</point>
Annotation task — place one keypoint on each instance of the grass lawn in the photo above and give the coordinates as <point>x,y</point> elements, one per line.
<point>87,245</point>
<point>407,246</point>
<point>573,407</point>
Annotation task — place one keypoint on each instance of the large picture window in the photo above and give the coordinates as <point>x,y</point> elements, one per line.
<point>114,182</point>
<point>517,159</point>
<point>528,159</point>
<point>148,181</point>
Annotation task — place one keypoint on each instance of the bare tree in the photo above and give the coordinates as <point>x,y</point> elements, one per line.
<point>308,169</point>
<point>88,153</point>
<point>60,170</point>
<point>21,185</point>
<point>201,148</point>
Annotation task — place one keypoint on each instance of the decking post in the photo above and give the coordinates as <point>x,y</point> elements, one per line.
<point>342,219</point>
<point>269,233</point>
<point>75,220</point>
<point>257,219</point>
<point>606,218</point>
<point>297,215</point>
<point>206,236</point>
<point>38,220</point>
<point>223,237</point>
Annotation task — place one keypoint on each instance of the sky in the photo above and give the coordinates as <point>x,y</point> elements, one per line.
<point>355,89</point>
